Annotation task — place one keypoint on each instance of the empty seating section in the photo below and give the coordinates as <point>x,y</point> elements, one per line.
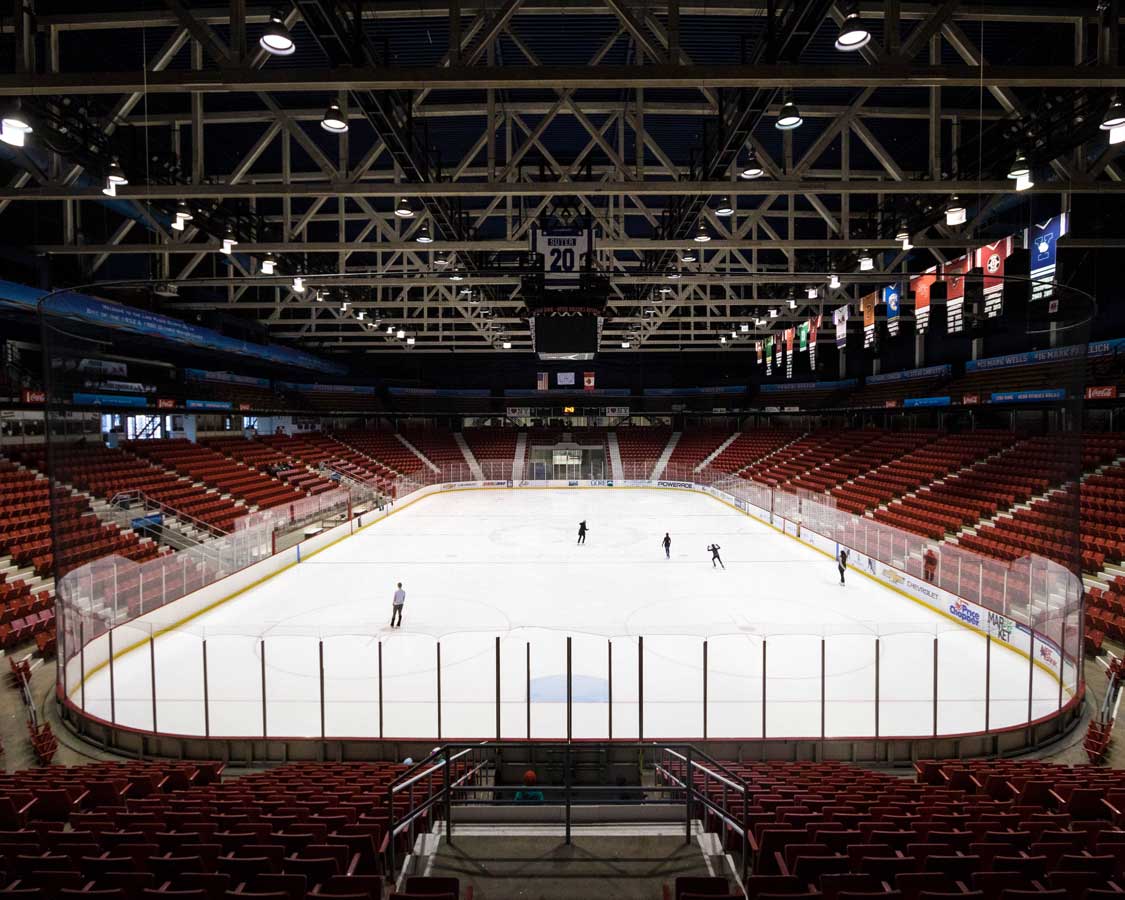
<point>936,458</point>
<point>804,455</point>
<point>493,448</point>
<point>272,460</point>
<point>105,472</point>
<point>751,447</point>
<point>141,829</point>
<point>892,393</point>
<point>26,523</point>
<point>1063,374</point>
<point>384,448</point>
<point>867,456</point>
<point>640,447</point>
<point>693,447</point>
<point>212,468</point>
<point>439,447</point>
<point>973,829</point>
<point>1015,475</point>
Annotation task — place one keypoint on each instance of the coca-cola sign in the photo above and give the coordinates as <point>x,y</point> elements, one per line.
<point>28,396</point>
<point>970,399</point>
<point>162,403</point>
<point>1102,392</point>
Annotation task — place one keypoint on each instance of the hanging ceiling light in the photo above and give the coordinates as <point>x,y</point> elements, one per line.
<point>955,213</point>
<point>183,214</point>
<point>723,339</point>
<point>466,291</point>
<point>15,125</point>
<point>702,235</point>
<point>811,293</point>
<point>229,241</point>
<point>276,39</point>
<point>665,289</point>
<point>834,281</point>
<point>361,315</point>
<point>789,117</point>
<point>752,168</point>
<point>333,120</point>
<point>298,284</point>
<point>456,276</point>
<point>792,303</point>
<point>114,178</point>
<point>442,259</point>
<point>724,208</point>
<point>400,334</point>
<point>866,263</point>
<point>688,256</point>
<point>774,313</point>
<point>507,345</point>
<point>673,273</point>
<point>625,345</point>
<point>424,236</point>
<point>1114,116</point>
<point>744,327</point>
<point>1024,182</point>
<point>853,33</point>
<point>269,264</point>
<point>410,341</point>
<point>1117,135</point>
<point>404,210</point>
<point>320,295</point>
<point>1019,166</point>
<point>904,236</point>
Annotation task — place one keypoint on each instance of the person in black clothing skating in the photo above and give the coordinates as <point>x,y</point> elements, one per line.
<point>714,548</point>
<point>842,563</point>
<point>667,544</point>
<point>582,532</point>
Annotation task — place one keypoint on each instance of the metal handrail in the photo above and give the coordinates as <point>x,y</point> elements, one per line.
<point>210,529</point>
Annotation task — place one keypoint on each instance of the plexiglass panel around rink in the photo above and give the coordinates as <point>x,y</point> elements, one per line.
<point>1001,650</point>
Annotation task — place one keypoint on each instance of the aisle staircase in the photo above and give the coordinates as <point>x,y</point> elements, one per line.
<point>662,462</point>
<point>520,457</point>
<point>616,468</point>
<point>723,446</point>
<point>470,457</point>
<point>422,456</point>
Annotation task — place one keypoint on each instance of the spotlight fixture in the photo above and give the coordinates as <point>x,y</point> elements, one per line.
<point>834,282</point>
<point>1117,135</point>
<point>269,264</point>
<point>466,291</point>
<point>344,305</point>
<point>774,313</point>
<point>229,241</point>
<point>811,293</point>
<point>361,315</point>
<point>955,212</point>
<point>866,263</point>
<point>674,273</point>
<point>665,289</point>
<point>1114,116</point>
<point>752,169</point>
<point>404,210</point>
<point>853,33</point>
<point>744,327</point>
<point>734,335</point>
<point>400,334</point>
<point>333,120</point>
<point>276,39</point>
<point>410,341</point>
<point>702,235</point>
<point>1024,182</point>
<point>442,258</point>
<point>1019,166</point>
<point>724,208</point>
<point>507,345</point>
<point>115,174</point>
<point>14,125</point>
<point>183,215</point>
<point>390,329</point>
<point>789,117</point>
<point>904,236</point>
<point>424,236</point>
<point>320,295</point>
<point>298,284</point>
<point>723,339</point>
<point>625,345</point>
<point>792,303</point>
<point>688,256</point>
<point>456,276</point>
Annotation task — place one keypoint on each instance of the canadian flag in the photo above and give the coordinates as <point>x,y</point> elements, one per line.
<point>588,381</point>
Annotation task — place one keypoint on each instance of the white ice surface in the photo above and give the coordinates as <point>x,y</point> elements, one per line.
<point>478,565</point>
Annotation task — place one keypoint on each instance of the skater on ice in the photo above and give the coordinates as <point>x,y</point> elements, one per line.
<point>715,558</point>
<point>396,605</point>
<point>582,532</point>
<point>667,544</point>
<point>842,563</point>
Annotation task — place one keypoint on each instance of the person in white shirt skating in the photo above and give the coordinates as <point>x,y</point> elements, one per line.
<point>397,604</point>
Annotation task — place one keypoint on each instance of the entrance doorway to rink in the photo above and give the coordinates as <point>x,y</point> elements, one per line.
<point>513,630</point>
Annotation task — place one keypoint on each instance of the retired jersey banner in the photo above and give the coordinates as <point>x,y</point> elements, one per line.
<point>758,347</point>
<point>840,317</point>
<point>953,274</point>
<point>814,329</point>
<point>991,258</point>
<point>891,296</point>
<point>1042,241</point>
<point>769,356</point>
<point>867,304</point>
<point>541,382</point>
<point>777,352</point>
<point>920,286</point>
<point>789,333</point>
<point>803,335</point>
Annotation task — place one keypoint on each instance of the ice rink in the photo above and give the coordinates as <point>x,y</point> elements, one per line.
<point>482,564</point>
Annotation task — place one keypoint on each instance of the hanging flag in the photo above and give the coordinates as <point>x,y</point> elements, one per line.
<point>840,317</point>
<point>920,286</point>
<point>541,381</point>
<point>803,335</point>
<point>891,296</point>
<point>758,347</point>
<point>1042,240</point>
<point>991,258</point>
<point>867,304</point>
<point>769,356</point>
<point>953,273</point>
<point>777,352</point>
<point>814,329</point>
<point>587,381</point>
<point>789,334</point>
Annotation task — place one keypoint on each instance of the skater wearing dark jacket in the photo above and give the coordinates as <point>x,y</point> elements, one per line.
<point>667,544</point>
<point>582,532</point>
<point>714,548</point>
<point>842,563</point>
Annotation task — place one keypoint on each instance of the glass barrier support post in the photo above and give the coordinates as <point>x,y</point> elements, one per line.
<point>320,666</point>
<point>262,645</point>
<point>935,685</point>
<point>112,685</point>
<point>206,695</point>
<point>152,674</point>
<point>497,687</point>
<point>438,648</point>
